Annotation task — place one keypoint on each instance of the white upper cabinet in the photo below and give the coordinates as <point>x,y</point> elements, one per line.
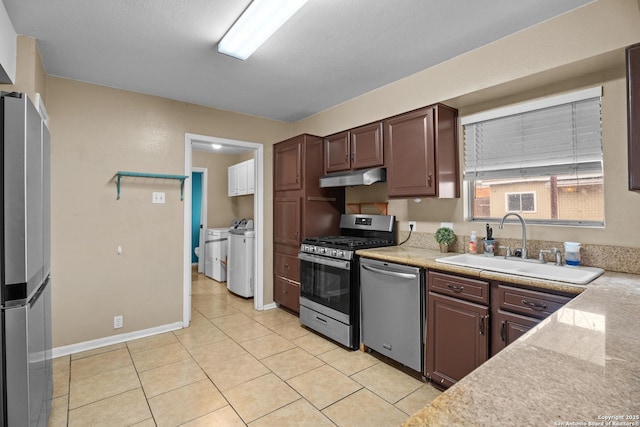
<point>241,178</point>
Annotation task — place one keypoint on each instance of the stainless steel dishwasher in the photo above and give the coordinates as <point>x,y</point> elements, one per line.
<point>392,311</point>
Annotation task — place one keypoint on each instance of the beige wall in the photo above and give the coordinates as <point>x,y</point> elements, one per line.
<point>31,77</point>
<point>97,131</point>
<point>579,49</point>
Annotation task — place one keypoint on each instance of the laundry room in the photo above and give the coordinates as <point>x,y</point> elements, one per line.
<point>222,211</point>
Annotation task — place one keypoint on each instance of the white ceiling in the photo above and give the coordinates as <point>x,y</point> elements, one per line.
<point>327,53</point>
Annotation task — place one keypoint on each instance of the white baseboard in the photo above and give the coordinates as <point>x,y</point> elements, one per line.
<point>270,306</point>
<point>115,339</point>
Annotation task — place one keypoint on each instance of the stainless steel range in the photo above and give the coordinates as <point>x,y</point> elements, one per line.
<point>329,283</point>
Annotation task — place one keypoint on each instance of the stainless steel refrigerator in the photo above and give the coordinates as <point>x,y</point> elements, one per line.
<point>26,376</point>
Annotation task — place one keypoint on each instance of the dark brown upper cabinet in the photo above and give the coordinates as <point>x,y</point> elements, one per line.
<point>357,148</point>
<point>421,153</point>
<point>633,115</point>
<point>287,162</point>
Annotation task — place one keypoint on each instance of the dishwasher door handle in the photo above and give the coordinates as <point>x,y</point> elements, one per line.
<point>389,272</point>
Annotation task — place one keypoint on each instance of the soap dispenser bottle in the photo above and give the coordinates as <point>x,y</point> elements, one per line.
<point>473,243</point>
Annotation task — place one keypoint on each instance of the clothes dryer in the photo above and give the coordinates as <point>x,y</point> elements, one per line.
<point>240,278</point>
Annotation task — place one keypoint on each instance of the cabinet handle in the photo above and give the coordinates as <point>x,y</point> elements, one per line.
<point>482,324</point>
<point>454,288</point>
<point>502,325</point>
<point>534,305</point>
<point>320,320</point>
<point>429,179</point>
<point>286,266</point>
<point>442,381</point>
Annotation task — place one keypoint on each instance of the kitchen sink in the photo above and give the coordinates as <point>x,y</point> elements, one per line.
<point>529,268</point>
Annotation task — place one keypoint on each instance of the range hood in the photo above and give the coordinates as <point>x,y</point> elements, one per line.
<point>356,177</point>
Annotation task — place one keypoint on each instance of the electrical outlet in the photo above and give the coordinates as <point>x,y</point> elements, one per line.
<point>447,224</point>
<point>412,225</point>
<point>117,322</point>
<point>157,197</point>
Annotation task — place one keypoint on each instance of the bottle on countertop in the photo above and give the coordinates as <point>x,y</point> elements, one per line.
<point>473,243</point>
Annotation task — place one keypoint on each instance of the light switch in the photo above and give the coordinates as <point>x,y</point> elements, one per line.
<point>157,197</point>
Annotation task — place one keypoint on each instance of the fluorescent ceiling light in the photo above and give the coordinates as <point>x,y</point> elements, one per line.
<point>256,24</point>
<point>216,146</point>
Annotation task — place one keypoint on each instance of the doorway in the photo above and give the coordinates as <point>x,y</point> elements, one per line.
<point>258,209</point>
<point>199,181</point>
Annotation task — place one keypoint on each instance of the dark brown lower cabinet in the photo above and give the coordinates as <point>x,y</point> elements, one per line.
<point>457,338</point>
<point>286,293</point>
<point>515,310</point>
<point>508,327</point>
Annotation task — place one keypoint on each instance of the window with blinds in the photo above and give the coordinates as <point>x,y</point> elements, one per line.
<point>542,159</point>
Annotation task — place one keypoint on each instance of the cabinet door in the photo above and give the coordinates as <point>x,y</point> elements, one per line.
<point>232,174</point>
<point>633,115</point>
<point>286,293</point>
<point>241,178</point>
<point>409,154</point>
<point>288,165</point>
<point>337,152</point>
<point>457,338</point>
<point>286,221</point>
<point>366,146</point>
<point>508,327</point>
<point>251,176</point>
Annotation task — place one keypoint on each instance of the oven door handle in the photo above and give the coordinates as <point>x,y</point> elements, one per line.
<point>329,262</point>
<point>389,272</point>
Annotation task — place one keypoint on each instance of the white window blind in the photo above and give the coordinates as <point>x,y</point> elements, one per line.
<point>558,140</point>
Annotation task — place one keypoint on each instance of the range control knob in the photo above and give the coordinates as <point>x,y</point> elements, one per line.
<point>341,254</point>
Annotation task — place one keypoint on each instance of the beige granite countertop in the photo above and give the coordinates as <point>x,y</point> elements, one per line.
<point>579,366</point>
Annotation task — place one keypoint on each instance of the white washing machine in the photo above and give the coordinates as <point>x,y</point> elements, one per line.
<point>215,253</point>
<point>240,261</point>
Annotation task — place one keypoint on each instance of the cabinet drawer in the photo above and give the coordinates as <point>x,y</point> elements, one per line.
<point>287,266</point>
<point>530,303</point>
<point>459,287</point>
<point>286,293</point>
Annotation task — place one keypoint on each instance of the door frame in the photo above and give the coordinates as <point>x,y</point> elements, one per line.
<point>258,219</point>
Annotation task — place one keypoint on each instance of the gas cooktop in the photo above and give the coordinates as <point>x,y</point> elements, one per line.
<point>359,232</point>
<point>348,242</point>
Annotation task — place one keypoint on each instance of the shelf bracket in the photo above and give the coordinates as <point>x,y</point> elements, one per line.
<point>180,178</point>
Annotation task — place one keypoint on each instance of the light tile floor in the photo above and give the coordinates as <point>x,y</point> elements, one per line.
<point>233,366</point>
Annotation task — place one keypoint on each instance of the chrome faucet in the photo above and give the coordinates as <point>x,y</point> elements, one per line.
<point>523,253</point>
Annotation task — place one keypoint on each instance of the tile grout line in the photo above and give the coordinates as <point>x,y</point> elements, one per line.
<point>144,393</point>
